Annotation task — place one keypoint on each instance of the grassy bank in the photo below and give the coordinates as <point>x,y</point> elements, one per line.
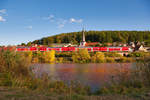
<point>15,75</point>
<point>83,56</point>
<point>22,94</point>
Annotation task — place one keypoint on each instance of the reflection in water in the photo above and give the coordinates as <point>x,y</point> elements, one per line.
<point>93,75</point>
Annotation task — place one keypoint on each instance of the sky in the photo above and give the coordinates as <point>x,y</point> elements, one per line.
<point>22,21</point>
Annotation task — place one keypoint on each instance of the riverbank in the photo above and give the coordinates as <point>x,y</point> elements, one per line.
<point>83,56</point>
<point>24,94</point>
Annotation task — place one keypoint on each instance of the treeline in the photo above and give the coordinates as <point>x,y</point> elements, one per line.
<point>97,36</point>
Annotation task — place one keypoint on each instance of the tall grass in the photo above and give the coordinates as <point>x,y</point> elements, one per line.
<point>15,72</point>
<point>134,82</point>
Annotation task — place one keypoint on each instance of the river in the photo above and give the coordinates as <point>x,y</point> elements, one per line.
<point>93,75</point>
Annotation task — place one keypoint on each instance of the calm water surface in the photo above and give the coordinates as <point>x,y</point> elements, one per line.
<point>93,75</point>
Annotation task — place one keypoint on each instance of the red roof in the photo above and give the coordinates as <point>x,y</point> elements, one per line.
<point>92,43</point>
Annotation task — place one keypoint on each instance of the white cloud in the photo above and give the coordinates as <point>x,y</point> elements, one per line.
<point>60,22</point>
<point>50,17</point>
<point>29,27</point>
<point>73,20</point>
<point>2,19</point>
<point>61,25</point>
<point>3,11</point>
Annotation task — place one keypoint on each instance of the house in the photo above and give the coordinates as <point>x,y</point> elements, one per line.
<point>140,48</point>
<point>83,42</point>
<point>92,44</point>
<point>62,45</point>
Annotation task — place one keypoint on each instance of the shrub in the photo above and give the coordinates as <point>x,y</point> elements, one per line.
<point>112,54</point>
<point>49,57</point>
<point>125,59</point>
<point>64,54</point>
<point>5,79</point>
<point>98,58</point>
<point>139,54</point>
<point>60,60</point>
<point>110,60</point>
<point>81,57</point>
<point>44,57</point>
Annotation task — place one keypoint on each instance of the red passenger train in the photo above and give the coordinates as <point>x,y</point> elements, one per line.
<point>65,49</point>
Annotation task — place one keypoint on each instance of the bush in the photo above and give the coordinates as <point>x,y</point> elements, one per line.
<point>64,54</point>
<point>14,67</point>
<point>5,79</point>
<point>60,60</point>
<point>139,54</point>
<point>125,60</point>
<point>110,60</point>
<point>81,57</point>
<point>98,58</point>
<point>44,57</point>
<point>112,54</point>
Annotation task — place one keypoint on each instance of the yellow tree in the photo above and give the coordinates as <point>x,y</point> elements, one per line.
<point>98,57</point>
<point>49,57</point>
<point>81,57</point>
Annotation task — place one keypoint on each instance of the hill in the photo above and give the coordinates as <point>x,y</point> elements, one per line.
<point>97,36</point>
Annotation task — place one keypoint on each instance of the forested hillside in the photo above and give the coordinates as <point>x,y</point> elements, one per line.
<point>97,36</point>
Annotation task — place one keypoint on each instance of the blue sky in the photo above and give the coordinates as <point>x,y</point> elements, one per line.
<point>28,20</point>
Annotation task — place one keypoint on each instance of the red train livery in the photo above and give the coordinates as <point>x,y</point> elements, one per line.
<point>65,49</point>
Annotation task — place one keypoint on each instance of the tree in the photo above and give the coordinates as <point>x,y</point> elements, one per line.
<point>108,37</point>
<point>97,36</point>
<point>46,57</point>
<point>50,40</point>
<point>49,57</point>
<point>29,44</point>
<point>23,44</point>
<point>81,57</point>
<point>99,57</point>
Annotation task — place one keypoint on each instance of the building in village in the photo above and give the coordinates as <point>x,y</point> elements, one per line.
<point>137,46</point>
<point>83,42</point>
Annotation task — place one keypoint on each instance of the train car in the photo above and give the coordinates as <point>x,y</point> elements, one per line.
<point>113,49</point>
<point>89,49</point>
<point>22,49</point>
<point>43,48</point>
<point>117,49</point>
<point>125,49</point>
<point>49,49</point>
<point>103,49</point>
<point>58,49</point>
<point>33,49</point>
<point>64,49</point>
<point>71,48</point>
<point>80,48</point>
<point>96,49</point>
